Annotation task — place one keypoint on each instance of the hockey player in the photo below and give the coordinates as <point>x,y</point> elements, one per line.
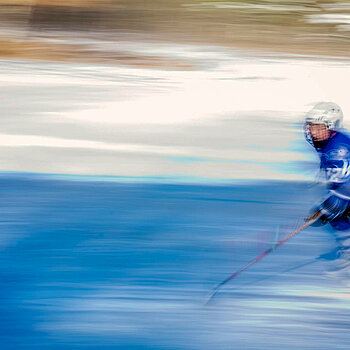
<point>323,131</point>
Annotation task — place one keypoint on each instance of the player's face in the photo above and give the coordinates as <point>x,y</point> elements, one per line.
<point>319,132</point>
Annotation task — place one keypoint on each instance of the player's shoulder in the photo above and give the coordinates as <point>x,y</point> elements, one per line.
<point>343,133</point>
<point>339,147</point>
<point>341,137</point>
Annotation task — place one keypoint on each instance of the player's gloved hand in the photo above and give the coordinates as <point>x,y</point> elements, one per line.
<point>319,220</point>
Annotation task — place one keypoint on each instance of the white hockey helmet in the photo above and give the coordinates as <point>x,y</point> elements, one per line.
<point>327,113</point>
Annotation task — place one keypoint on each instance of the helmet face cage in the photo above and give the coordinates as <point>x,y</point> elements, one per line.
<point>307,133</point>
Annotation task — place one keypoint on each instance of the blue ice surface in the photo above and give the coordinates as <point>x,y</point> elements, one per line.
<point>121,265</point>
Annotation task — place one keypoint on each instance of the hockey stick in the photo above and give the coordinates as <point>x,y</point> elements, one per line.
<point>310,220</point>
<point>327,256</point>
<point>304,263</point>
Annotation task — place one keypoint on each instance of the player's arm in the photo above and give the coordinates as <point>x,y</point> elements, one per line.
<point>337,172</point>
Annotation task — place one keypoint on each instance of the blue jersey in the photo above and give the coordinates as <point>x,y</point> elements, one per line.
<point>335,161</point>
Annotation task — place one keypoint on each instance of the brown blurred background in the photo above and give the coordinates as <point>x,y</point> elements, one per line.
<point>28,27</point>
